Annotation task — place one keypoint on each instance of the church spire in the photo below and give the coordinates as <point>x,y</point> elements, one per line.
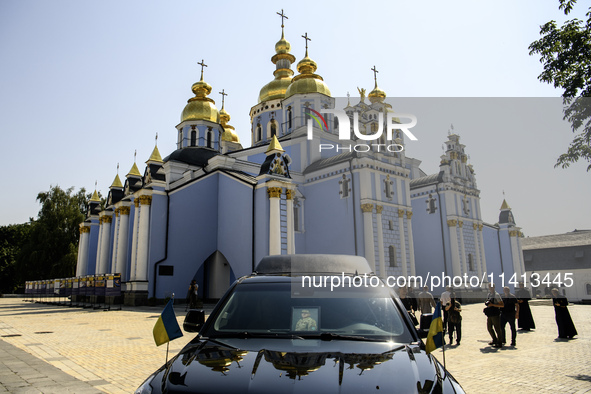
<point>377,95</point>
<point>283,73</point>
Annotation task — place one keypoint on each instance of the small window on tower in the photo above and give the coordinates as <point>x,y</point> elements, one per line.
<point>392,255</point>
<point>273,128</point>
<point>193,137</point>
<point>389,190</point>
<point>344,184</point>
<point>209,139</point>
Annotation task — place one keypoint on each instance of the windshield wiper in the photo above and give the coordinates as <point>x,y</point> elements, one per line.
<point>329,336</point>
<point>248,334</point>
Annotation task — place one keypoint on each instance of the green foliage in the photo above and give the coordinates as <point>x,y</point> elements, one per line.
<point>12,237</point>
<point>50,249</point>
<point>565,53</point>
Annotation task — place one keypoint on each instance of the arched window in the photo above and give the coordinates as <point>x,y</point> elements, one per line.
<point>259,131</point>
<point>180,138</point>
<point>392,255</point>
<point>193,137</point>
<point>470,262</point>
<point>209,139</point>
<point>289,117</point>
<point>273,128</point>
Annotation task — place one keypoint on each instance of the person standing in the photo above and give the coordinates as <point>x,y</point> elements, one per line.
<point>493,303</point>
<point>509,313</point>
<point>453,309</point>
<point>408,304</point>
<point>566,327</point>
<point>526,319</point>
<point>426,301</point>
<point>445,299</point>
<point>193,294</point>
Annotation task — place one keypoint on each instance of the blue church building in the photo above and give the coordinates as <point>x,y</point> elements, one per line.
<point>211,209</point>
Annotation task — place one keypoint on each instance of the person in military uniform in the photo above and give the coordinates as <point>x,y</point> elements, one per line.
<point>306,323</point>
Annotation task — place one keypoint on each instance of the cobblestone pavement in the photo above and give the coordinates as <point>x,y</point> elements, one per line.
<point>114,351</point>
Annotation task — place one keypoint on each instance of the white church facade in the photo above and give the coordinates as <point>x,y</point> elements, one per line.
<point>211,209</point>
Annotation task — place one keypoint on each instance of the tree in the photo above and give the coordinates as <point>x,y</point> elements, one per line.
<point>12,237</point>
<point>566,55</point>
<point>52,248</point>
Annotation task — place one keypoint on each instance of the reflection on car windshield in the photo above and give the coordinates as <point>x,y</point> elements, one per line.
<point>270,308</point>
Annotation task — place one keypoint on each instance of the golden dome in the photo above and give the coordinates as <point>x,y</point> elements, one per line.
<point>229,134</point>
<point>275,89</point>
<point>283,74</point>
<point>282,46</point>
<point>376,95</point>
<point>201,107</point>
<point>307,81</point>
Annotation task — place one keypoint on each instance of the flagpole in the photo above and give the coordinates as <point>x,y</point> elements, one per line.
<point>443,351</point>
<point>167,343</point>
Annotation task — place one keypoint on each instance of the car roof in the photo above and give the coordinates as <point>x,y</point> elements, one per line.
<point>313,264</point>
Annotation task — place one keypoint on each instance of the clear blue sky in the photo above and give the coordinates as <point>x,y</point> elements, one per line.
<point>85,84</point>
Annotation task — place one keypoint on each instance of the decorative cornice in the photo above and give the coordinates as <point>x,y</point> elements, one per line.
<point>452,222</point>
<point>461,224</point>
<point>107,219</point>
<point>480,227</point>
<point>513,233</point>
<point>289,194</point>
<point>274,192</point>
<point>367,208</point>
<point>124,210</point>
<point>136,202</point>
<point>117,210</point>
<point>379,209</point>
<point>401,213</point>
<point>409,214</point>
<point>475,226</point>
<point>84,229</point>
<point>145,200</point>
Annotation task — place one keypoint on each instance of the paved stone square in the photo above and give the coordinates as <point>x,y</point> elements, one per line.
<point>86,350</point>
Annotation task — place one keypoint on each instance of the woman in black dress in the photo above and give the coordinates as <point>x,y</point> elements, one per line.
<point>566,327</point>
<point>526,320</point>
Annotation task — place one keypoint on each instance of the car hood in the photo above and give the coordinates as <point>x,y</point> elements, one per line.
<point>302,366</point>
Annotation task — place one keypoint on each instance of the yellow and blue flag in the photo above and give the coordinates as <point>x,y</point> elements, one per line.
<point>166,328</point>
<point>435,335</point>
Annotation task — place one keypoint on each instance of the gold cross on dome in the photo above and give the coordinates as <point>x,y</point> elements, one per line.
<point>305,37</point>
<point>283,16</point>
<point>202,64</point>
<point>375,74</point>
<point>224,94</point>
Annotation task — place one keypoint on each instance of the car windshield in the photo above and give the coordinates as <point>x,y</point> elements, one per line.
<point>263,309</point>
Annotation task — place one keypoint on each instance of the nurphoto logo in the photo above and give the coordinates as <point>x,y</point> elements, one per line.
<point>344,125</point>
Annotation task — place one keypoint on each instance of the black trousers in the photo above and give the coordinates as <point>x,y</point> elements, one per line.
<point>511,321</point>
<point>458,329</point>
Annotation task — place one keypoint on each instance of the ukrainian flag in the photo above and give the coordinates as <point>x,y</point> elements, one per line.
<point>435,335</point>
<point>166,328</point>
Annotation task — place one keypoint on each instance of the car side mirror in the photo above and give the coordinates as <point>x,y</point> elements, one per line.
<point>423,333</point>
<point>194,320</point>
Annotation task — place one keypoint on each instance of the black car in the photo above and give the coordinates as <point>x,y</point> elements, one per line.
<point>288,329</point>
